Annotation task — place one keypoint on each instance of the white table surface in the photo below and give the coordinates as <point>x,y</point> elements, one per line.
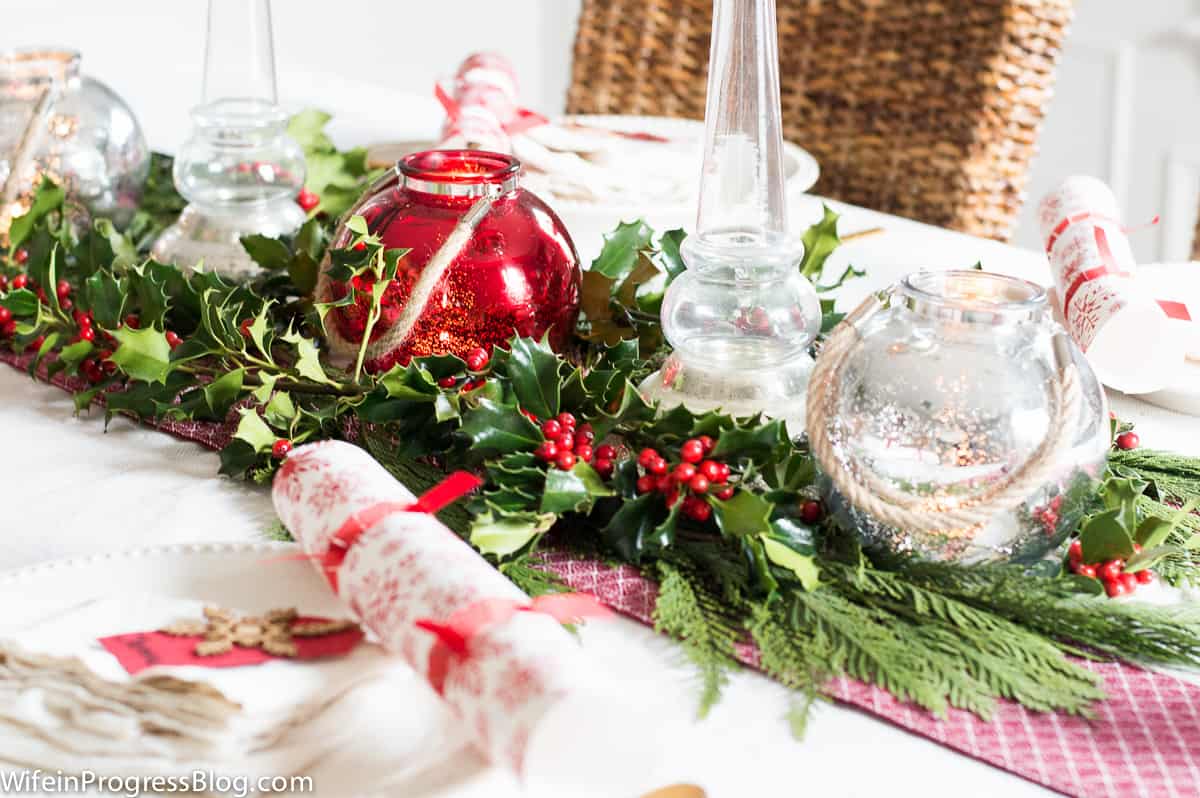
<point>70,488</point>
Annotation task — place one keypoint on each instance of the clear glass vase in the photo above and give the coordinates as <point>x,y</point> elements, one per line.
<point>741,318</point>
<point>946,395</point>
<point>239,171</point>
<point>60,124</point>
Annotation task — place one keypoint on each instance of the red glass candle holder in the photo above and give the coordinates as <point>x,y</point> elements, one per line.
<point>519,273</point>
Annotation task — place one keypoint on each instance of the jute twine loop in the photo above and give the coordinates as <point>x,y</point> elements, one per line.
<point>431,276</point>
<point>878,498</point>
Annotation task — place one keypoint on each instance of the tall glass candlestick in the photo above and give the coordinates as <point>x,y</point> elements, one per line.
<point>240,172</point>
<point>741,318</point>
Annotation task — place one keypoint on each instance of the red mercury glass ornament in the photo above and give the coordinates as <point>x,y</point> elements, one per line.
<point>518,274</point>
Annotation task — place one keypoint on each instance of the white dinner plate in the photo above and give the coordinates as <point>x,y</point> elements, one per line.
<point>414,749</point>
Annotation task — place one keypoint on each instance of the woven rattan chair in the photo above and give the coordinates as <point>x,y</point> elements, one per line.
<point>928,109</point>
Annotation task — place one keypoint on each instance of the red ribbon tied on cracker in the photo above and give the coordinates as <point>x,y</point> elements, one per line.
<point>454,634</point>
<point>446,492</point>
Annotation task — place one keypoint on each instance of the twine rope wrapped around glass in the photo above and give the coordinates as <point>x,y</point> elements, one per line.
<point>877,497</point>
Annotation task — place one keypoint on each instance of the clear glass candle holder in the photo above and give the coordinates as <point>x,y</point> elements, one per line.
<point>947,394</point>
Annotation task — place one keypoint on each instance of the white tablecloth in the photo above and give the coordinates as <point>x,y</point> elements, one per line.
<point>69,488</point>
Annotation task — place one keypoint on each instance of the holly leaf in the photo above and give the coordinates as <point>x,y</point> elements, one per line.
<point>1105,537</point>
<point>820,240</point>
<point>48,198</point>
<point>307,129</point>
<point>105,297</point>
<point>622,248</point>
<point>236,457</point>
<point>760,442</point>
<point>493,429</point>
<point>221,393</point>
<point>308,358</point>
<point>746,514</point>
<point>533,371</point>
<point>124,253</point>
<point>803,566</point>
<point>667,256</point>
<point>596,296</point>
<point>73,354</point>
<point>149,289</point>
<point>22,302</point>
<point>410,383</point>
<point>280,410</point>
<point>142,354</point>
<point>254,431</point>
<point>1122,495</point>
<point>263,392</point>
<point>503,535</point>
<point>269,253</point>
<point>634,523</point>
<point>573,491</point>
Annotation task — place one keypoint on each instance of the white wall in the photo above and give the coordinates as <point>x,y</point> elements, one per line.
<point>1126,108</point>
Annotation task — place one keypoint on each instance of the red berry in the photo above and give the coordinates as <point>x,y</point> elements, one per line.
<point>1110,570</point>
<point>307,200</point>
<point>707,443</point>
<point>132,321</point>
<point>21,256</point>
<point>696,509</point>
<point>108,367</point>
<point>567,420</point>
<point>566,441</point>
<point>66,304</point>
<point>726,493</point>
<point>447,382</point>
<point>547,451</point>
<point>245,327</point>
<point>3,282</point>
<point>604,467</point>
<point>1129,582</point>
<point>670,497</point>
<point>698,484</point>
<point>36,343</point>
<point>692,451</point>
<point>724,473</point>
<point>281,448</point>
<point>646,483</point>
<point>684,472</point>
<point>104,354</point>
<point>665,484</point>
<point>41,295</point>
<point>551,430</point>
<point>1114,588</point>
<point>360,246</point>
<point>82,317</point>
<point>584,452</point>
<point>20,281</point>
<point>477,359</point>
<point>86,334</point>
<point>586,432</point>
<point>1144,576</point>
<point>8,329</point>
<point>5,315</point>
<point>473,384</point>
<point>173,340</point>
<point>91,370</point>
<point>811,512</point>
<point>606,452</point>
<point>657,466</point>
<point>565,461</point>
<point>1075,551</point>
<point>711,470</point>
<point>1137,548</point>
<point>63,289</point>
<point>1128,440</point>
<point>1086,570</point>
<point>646,457</point>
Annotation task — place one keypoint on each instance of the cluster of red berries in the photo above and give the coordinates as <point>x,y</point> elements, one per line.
<point>1110,572</point>
<point>307,200</point>
<point>568,442</point>
<point>692,478</point>
<point>477,360</point>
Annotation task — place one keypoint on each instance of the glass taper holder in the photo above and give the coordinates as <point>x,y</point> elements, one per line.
<point>741,317</point>
<point>239,171</point>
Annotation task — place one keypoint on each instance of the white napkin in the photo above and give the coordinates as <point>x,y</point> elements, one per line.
<point>65,702</point>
